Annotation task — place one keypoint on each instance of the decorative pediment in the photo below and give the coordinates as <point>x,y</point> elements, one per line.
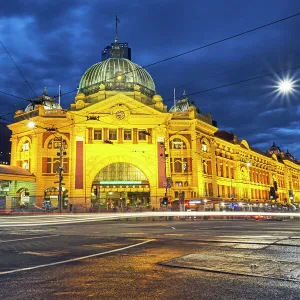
<point>121,100</point>
<point>121,108</point>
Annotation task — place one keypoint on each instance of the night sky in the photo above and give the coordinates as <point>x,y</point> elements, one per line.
<point>54,42</point>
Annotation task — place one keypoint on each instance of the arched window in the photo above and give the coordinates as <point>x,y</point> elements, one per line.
<point>25,165</point>
<point>25,146</point>
<point>119,172</point>
<point>204,144</point>
<point>177,144</point>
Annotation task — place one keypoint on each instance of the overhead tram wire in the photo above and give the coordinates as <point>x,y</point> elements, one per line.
<point>252,60</point>
<point>199,92</point>
<point>235,83</point>
<point>200,48</point>
<point>26,81</point>
<point>187,52</point>
<point>203,91</point>
<point>222,86</point>
<point>178,55</point>
<point>11,95</point>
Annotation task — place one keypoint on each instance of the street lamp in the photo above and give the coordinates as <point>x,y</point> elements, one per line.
<point>286,86</point>
<point>31,124</point>
<point>53,130</point>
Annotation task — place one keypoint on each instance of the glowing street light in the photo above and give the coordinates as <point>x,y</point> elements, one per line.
<point>31,124</point>
<point>285,86</point>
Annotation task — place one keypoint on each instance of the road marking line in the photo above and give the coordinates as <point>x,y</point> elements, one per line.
<point>31,238</point>
<point>75,259</point>
<point>174,234</point>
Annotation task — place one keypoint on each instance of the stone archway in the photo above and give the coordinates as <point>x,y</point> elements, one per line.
<point>23,198</point>
<point>120,186</point>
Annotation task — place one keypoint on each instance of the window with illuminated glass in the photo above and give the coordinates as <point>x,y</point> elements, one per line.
<point>179,165</point>
<point>142,135</point>
<point>119,172</point>
<point>25,146</point>
<point>127,135</point>
<point>56,142</point>
<point>112,134</point>
<point>97,134</point>
<point>177,144</point>
<point>53,165</point>
<point>25,165</point>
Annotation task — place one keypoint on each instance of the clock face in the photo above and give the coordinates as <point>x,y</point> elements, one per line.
<point>120,115</point>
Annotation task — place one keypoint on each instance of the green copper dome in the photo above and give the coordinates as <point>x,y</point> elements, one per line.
<point>117,74</point>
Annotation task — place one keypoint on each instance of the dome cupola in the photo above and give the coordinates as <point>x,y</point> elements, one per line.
<point>289,156</point>
<point>43,100</point>
<point>117,74</point>
<point>274,150</point>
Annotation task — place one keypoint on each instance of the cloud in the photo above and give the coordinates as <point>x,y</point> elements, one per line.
<point>55,44</point>
<point>272,112</point>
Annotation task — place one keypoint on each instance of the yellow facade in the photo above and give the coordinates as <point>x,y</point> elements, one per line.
<point>124,128</point>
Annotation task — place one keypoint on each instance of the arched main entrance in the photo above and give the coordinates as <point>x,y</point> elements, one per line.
<point>120,186</point>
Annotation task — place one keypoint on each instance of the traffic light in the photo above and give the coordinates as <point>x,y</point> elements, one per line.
<point>275,185</point>
<point>272,193</point>
<point>165,201</point>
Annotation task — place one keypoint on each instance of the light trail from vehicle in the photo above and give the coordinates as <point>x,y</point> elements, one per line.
<point>48,220</point>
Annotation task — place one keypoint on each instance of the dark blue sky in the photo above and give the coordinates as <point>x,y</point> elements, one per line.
<point>54,42</point>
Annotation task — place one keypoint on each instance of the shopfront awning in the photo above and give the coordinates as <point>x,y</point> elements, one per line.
<point>15,173</point>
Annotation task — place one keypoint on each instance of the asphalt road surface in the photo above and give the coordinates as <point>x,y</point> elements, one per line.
<point>213,259</point>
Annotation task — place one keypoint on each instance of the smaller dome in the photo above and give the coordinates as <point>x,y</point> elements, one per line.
<point>289,156</point>
<point>184,105</point>
<point>45,100</point>
<point>274,150</point>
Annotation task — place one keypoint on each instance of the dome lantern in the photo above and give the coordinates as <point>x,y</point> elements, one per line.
<point>117,74</point>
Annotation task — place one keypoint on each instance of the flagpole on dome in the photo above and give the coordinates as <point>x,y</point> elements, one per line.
<point>174,96</point>
<point>117,21</point>
<point>59,92</point>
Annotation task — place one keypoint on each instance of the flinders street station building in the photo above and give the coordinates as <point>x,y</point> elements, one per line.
<point>119,146</point>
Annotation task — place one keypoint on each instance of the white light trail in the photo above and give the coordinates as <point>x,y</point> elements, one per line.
<point>94,217</point>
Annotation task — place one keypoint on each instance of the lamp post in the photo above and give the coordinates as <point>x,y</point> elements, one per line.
<point>61,153</point>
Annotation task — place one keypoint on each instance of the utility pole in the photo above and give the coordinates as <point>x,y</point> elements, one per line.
<point>61,153</point>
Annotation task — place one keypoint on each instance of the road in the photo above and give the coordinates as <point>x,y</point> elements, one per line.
<point>213,259</point>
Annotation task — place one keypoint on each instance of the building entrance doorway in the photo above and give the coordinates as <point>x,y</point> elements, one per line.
<point>120,187</point>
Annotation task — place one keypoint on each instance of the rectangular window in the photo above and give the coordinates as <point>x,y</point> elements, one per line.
<point>49,165</point>
<point>185,165</point>
<point>113,134</point>
<point>98,134</point>
<point>127,135</point>
<point>204,147</point>
<point>142,135</point>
